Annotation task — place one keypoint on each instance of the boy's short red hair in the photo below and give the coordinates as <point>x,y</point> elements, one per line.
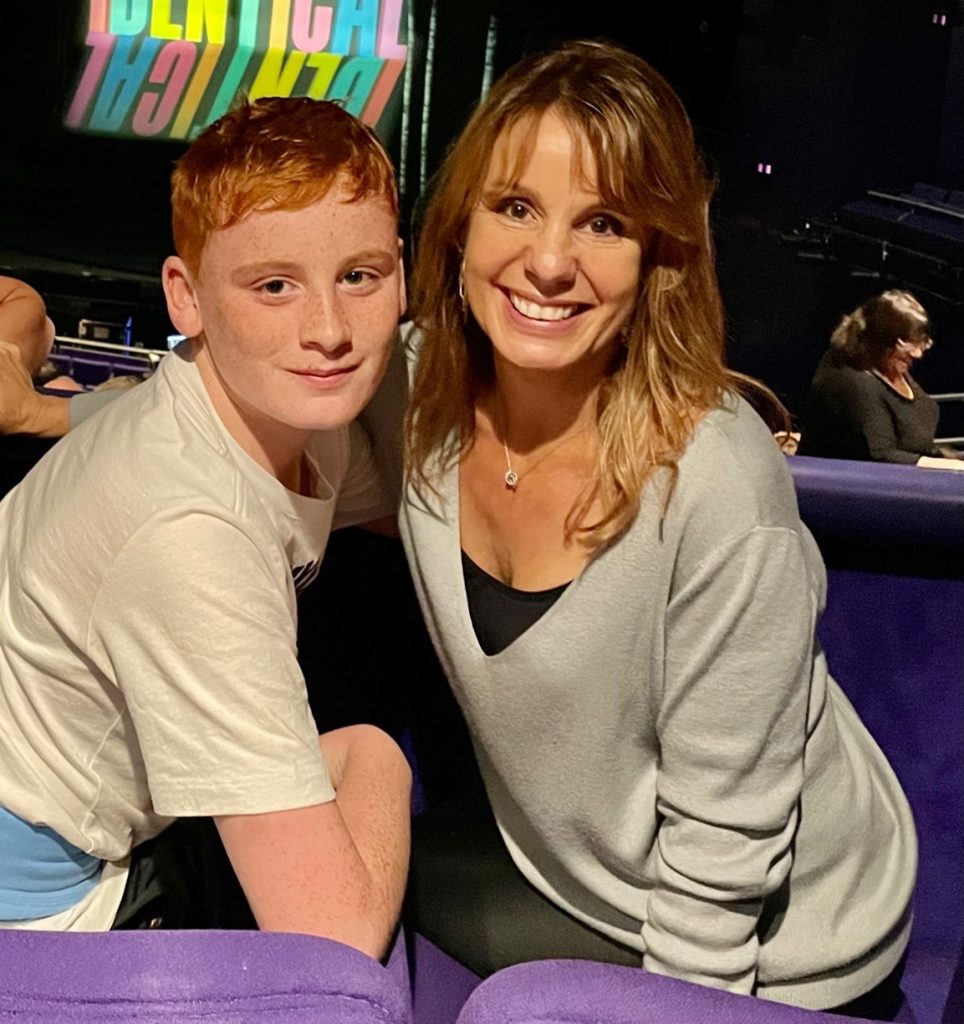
<point>276,153</point>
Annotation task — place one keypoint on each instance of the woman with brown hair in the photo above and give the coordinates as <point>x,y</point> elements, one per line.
<point>606,546</point>
<point>863,403</point>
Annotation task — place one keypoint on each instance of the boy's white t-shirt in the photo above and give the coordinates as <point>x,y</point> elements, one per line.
<point>148,663</point>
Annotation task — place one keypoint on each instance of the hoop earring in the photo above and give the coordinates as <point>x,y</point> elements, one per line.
<point>462,300</point>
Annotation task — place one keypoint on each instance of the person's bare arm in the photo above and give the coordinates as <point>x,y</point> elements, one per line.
<point>22,409</point>
<point>336,869</point>
<point>24,322</point>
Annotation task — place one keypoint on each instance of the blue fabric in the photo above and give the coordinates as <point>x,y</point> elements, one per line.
<point>42,873</point>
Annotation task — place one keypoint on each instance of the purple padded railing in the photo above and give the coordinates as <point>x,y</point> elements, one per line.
<point>893,631</point>
<point>579,992</point>
<point>218,977</point>
<point>879,501</point>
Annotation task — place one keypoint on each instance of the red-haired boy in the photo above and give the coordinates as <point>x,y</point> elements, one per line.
<point>149,567</point>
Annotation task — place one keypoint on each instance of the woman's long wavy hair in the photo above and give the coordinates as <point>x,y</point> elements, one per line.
<point>670,370</point>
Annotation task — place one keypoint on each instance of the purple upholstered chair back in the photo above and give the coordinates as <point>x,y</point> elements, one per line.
<point>218,977</point>
<point>579,992</point>
<point>893,632</point>
<point>870,502</point>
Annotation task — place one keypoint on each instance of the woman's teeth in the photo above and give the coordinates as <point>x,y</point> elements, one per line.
<point>536,312</point>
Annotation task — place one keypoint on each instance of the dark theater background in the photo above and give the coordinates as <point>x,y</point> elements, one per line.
<point>833,127</point>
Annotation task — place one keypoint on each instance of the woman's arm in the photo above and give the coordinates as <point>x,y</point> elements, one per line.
<point>732,728</point>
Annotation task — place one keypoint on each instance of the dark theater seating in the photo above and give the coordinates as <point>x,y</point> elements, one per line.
<point>916,235</point>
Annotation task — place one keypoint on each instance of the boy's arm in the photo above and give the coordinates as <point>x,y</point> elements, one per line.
<point>336,869</point>
<point>194,624</point>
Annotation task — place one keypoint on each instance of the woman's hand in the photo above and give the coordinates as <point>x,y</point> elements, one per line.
<point>933,462</point>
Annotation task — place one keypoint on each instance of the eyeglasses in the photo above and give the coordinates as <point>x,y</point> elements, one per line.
<point>917,344</point>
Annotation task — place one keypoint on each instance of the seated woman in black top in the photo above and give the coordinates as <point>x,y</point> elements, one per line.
<point>863,403</point>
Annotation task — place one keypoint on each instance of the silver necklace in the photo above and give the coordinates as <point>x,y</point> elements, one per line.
<point>512,478</point>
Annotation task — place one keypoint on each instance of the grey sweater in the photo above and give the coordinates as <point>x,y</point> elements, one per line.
<point>666,755</point>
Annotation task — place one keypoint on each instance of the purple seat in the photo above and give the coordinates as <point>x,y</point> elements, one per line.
<point>218,977</point>
<point>893,631</point>
<point>579,992</point>
<point>440,984</point>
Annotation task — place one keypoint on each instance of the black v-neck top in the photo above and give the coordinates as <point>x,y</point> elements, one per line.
<point>501,613</point>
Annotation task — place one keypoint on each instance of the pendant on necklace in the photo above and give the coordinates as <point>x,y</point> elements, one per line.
<point>511,479</point>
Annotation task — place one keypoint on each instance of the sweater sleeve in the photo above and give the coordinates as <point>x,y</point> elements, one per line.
<point>732,729</point>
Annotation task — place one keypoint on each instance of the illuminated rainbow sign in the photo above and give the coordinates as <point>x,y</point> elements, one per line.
<point>166,68</point>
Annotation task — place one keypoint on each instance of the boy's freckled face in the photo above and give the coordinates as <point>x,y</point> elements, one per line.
<point>298,308</point>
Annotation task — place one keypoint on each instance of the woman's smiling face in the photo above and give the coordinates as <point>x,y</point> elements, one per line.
<point>551,271</point>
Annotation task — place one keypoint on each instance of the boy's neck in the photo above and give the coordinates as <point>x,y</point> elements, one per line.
<point>277,448</point>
